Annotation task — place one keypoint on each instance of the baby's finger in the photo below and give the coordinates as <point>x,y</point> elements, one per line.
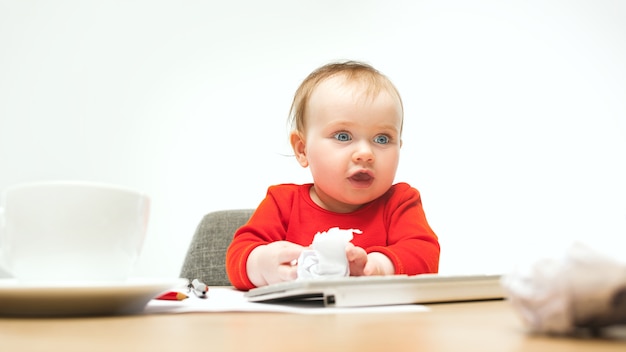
<point>287,272</point>
<point>353,252</point>
<point>371,269</point>
<point>289,252</point>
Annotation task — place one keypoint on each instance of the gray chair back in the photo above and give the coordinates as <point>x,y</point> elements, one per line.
<point>206,255</point>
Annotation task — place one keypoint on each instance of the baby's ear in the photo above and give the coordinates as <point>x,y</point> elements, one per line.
<point>299,148</point>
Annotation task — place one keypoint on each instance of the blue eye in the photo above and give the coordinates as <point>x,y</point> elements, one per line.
<point>381,139</point>
<point>342,136</point>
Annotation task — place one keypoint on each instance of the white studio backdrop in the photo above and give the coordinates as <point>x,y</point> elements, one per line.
<point>515,126</point>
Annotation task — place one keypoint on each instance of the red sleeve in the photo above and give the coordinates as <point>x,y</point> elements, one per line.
<point>267,224</point>
<point>412,245</point>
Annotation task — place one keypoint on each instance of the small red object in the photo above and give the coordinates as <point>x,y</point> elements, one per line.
<point>172,296</point>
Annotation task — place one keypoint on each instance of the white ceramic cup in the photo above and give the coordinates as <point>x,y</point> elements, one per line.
<point>69,231</point>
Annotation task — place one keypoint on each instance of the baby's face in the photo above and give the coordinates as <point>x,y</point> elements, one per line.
<point>352,144</point>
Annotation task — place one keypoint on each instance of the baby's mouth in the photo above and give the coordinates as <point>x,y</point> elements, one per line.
<point>361,179</point>
<point>361,176</point>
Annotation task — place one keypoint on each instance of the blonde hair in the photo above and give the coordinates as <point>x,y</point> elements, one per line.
<point>353,71</point>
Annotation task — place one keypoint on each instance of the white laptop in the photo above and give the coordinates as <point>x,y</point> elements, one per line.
<point>355,291</point>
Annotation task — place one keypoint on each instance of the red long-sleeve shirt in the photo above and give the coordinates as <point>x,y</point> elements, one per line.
<point>394,225</point>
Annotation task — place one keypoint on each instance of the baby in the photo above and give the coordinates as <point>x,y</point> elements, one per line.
<point>346,122</point>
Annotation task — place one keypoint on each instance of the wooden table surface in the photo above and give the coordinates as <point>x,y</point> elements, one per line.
<point>475,326</point>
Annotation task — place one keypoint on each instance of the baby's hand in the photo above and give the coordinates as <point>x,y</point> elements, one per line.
<point>357,259</point>
<point>363,264</point>
<point>272,263</point>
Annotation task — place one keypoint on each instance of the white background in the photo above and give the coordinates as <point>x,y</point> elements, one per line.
<point>515,126</point>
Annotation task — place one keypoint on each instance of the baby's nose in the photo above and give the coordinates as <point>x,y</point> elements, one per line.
<point>363,153</point>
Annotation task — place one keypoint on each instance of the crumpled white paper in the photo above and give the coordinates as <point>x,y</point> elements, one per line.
<point>583,289</point>
<point>327,256</point>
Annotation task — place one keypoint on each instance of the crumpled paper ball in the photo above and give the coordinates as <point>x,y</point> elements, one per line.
<point>583,289</point>
<point>327,256</point>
